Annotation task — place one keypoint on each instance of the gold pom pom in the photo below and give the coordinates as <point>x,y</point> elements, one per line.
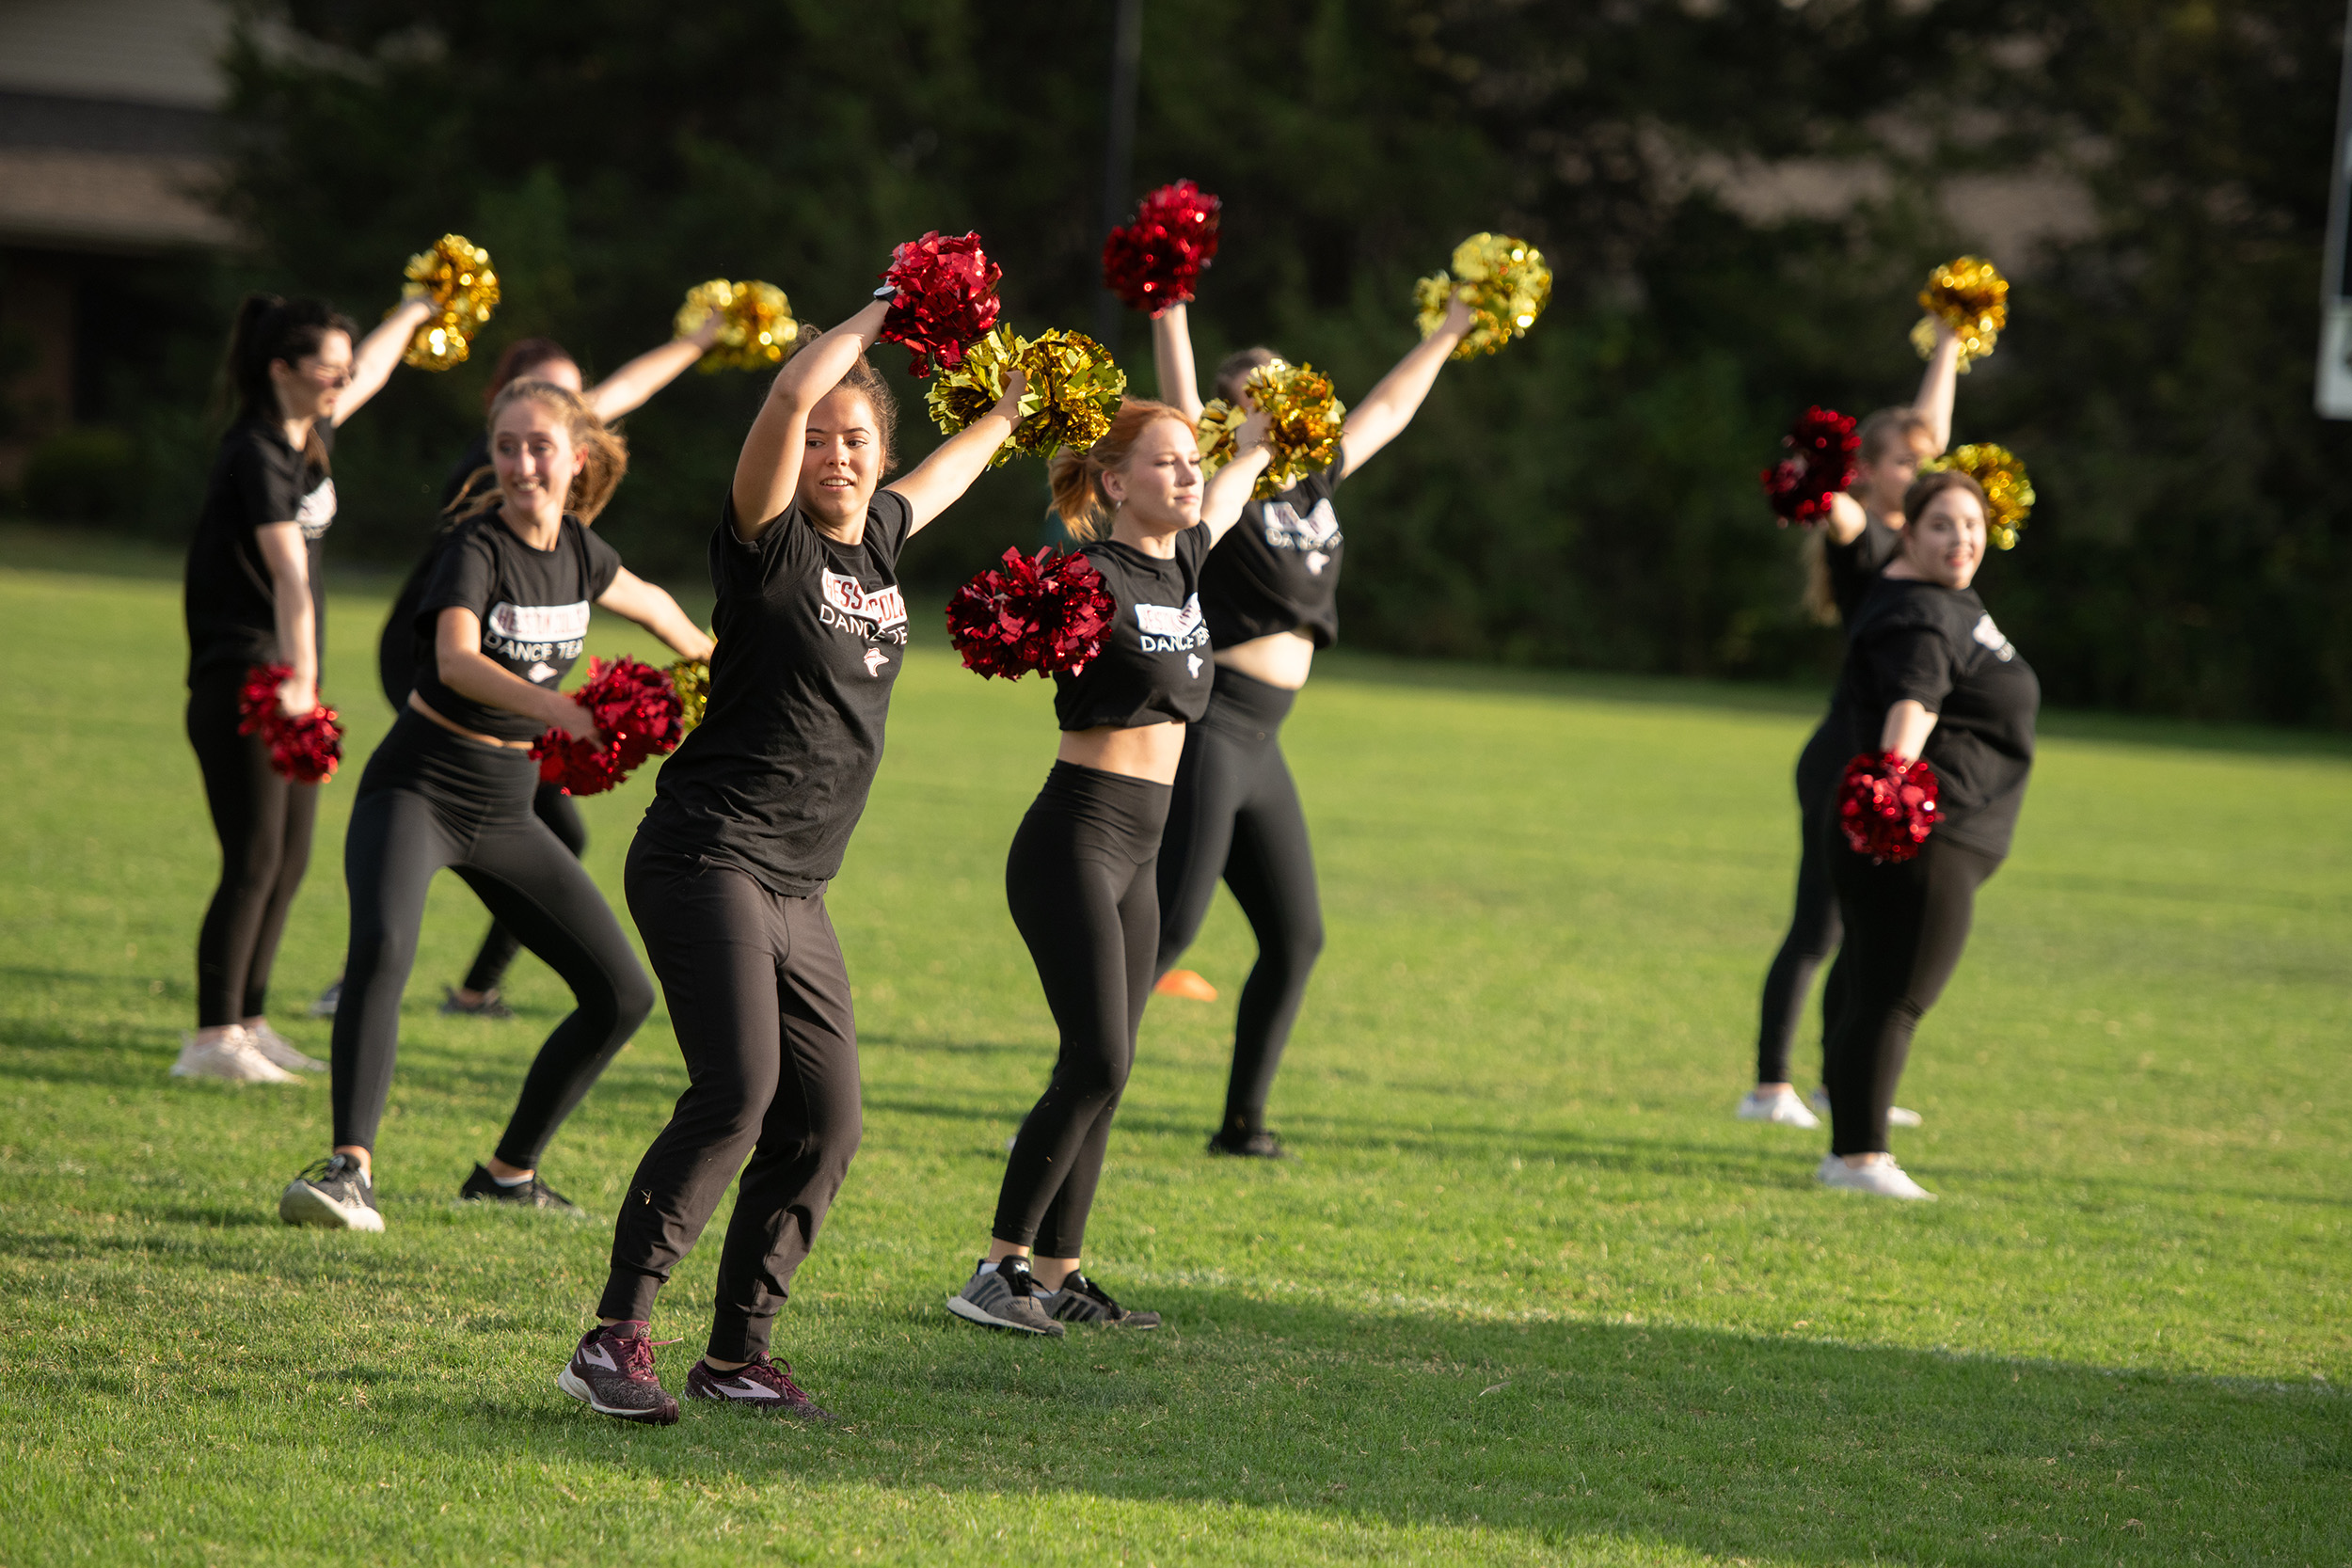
<point>2007,492</point>
<point>1971,297</point>
<point>972,389</point>
<point>1503,281</point>
<point>456,275</point>
<point>691,679</point>
<point>1072,391</point>
<point>1304,423</point>
<point>759,329</point>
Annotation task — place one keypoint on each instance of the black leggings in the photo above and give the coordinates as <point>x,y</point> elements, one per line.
<point>552,806</point>
<point>430,800</point>
<point>1906,924</point>
<point>1234,813</point>
<point>264,822</point>
<point>1814,929</point>
<point>760,1001</point>
<point>1080,883</point>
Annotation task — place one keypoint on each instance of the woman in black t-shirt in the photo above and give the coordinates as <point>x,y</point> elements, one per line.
<point>728,874</point>
<point>503,619</point>
<point>1927,674</point>
<point>255,595</point>
<point>1081,876</point>
<point>1844,557</point>
<point>1269,595</point>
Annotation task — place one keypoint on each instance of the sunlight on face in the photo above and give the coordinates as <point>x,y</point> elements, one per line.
<point>1158,487</point>
<point>531,448</point>
<point>840,457</point>
<point>1945,544</point>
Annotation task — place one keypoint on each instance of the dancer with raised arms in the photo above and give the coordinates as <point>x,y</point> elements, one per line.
<point>727,875</point>
<point>497,629</point>
<point>256,597</point>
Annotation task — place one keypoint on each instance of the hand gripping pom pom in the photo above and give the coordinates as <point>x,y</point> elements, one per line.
<point>1887,806</point>
<point>2007,492</point>
<point>691,679</point>
<point>1971,297</point>
<point>1047,613</point>
<point>1070,395</point>
<point>1503,281</point>
<point>1820,464</point>
<point>307,749</point>
<point>1304,423</point>
<point>759,329</point>
<point>456,275</point>
<point>946,297</point>
<point>1155,262</point>
<point>637,711</point>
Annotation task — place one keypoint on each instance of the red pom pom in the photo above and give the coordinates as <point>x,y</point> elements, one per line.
<point>1821,463</point>
<point>1048,613</point>
<point>637,714</point>
<point>946,298</point>
<point>308,749</point>
<point>1155,262</point>
<point>1887,806</point>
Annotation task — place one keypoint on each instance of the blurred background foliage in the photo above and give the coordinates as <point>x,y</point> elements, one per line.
<point>1588,498</point>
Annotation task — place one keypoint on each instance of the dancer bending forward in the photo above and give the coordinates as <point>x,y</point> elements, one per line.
<point>1081,876</point>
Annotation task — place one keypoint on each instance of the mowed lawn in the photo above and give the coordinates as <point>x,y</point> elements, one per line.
<point>1528,1294</point>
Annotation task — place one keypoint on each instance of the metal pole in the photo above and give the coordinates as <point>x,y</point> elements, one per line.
<point>2332,394</point>
<point>1118,151</point>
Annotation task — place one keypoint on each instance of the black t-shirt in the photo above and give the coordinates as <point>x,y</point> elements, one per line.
<point>810,634</point>
<point>232,600</point>
<point>1277,568</point>
<point>534,606</point>
<point>1855,565</point>
<point>396,649</point>
<point>1938,646</point>
<point>1155,663</point>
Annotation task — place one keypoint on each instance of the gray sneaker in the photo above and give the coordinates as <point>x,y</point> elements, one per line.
<point>1082,1301</point>
<point>1002,1295</point>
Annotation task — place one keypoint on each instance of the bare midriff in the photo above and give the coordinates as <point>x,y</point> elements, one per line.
<point>1147,752</point>
<point>419,703</point>
<point>1280,659</point>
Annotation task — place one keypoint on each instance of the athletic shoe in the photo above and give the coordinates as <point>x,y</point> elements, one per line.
<point>531,1193</point>
<point>334,1193</point>
<point>232,1058</point>
<point>1248,1146</point>
<point>328,1000</point>
<point>1082,1301</point>
<point>1896,1115</point>
<point>489,1007</point>
<point>759,1384</point>
<point>1002,1295</point>
<point>280,1051</point>
<point>1184,983</point>
<point>1781,1107</point>
<point>611,1374</point>
<point>1883,1179</point>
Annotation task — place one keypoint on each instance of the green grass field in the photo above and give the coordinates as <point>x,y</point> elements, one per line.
<point>1528,1296</point>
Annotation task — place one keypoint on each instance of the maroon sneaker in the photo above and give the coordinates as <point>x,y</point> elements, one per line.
<point>611,1374</point>
<point>759,1384</point>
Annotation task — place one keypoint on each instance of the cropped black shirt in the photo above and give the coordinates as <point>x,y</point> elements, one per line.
<point>1277,568</point>
<point>1155,663</point>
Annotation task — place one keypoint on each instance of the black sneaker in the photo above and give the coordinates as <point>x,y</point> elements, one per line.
<point>1082,1301</point>
<point>611,1374</point>
<point>489,1007</point>
<point>1002,1295</point>
<point>759,1383</point>
<point>334,1193</point>
<point>532,1194</point>
<point>1247,1145</point>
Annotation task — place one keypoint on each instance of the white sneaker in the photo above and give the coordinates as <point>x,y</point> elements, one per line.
<point>1781,1107</point>
<point>1883,1180</point>
<point>1896,1115</point>
<point>233,1057</point>
<point>280,1051</point>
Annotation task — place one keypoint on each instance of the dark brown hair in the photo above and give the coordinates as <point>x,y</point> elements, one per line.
<point>522,356</point>
<point>868,383</point>
<point>1077,475</point>
<point>1234,370</point>
<point>266,329</point>
<point>1927,487</point>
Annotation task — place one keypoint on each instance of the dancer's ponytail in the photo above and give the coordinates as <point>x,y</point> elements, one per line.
<point>265,330</point>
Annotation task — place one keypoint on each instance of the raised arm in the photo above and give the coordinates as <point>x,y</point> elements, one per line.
<point>377,354</point>
<point>1938,384</point>
<point>768,474</point>
<point>1388,407</point>
<point>1171,361</point>
<point>1228,489</point>
<point>627,387</point>
<point>289,562</point>
<point>653,608</point>
<point>940,480</point>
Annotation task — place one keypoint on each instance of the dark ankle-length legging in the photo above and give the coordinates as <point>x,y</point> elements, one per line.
<point>1905,927</point>
<point>552,806</point>
<point>1234,813</point>
<point>1814,931</point>
<point>264,822</point>
<point>432,799</point>
<point>1080,881</point>
<point>760,1001</point>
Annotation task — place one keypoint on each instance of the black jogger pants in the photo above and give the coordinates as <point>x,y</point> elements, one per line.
<point>1814,931</point>
<point>264,822</point>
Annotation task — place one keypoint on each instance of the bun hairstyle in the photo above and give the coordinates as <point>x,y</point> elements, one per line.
<point>608,454</point>
<point>522,356</point>
<point>1234,370</point>
<point>1927,487</point>
<point>266,329</point>
<point>1077,475</point>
